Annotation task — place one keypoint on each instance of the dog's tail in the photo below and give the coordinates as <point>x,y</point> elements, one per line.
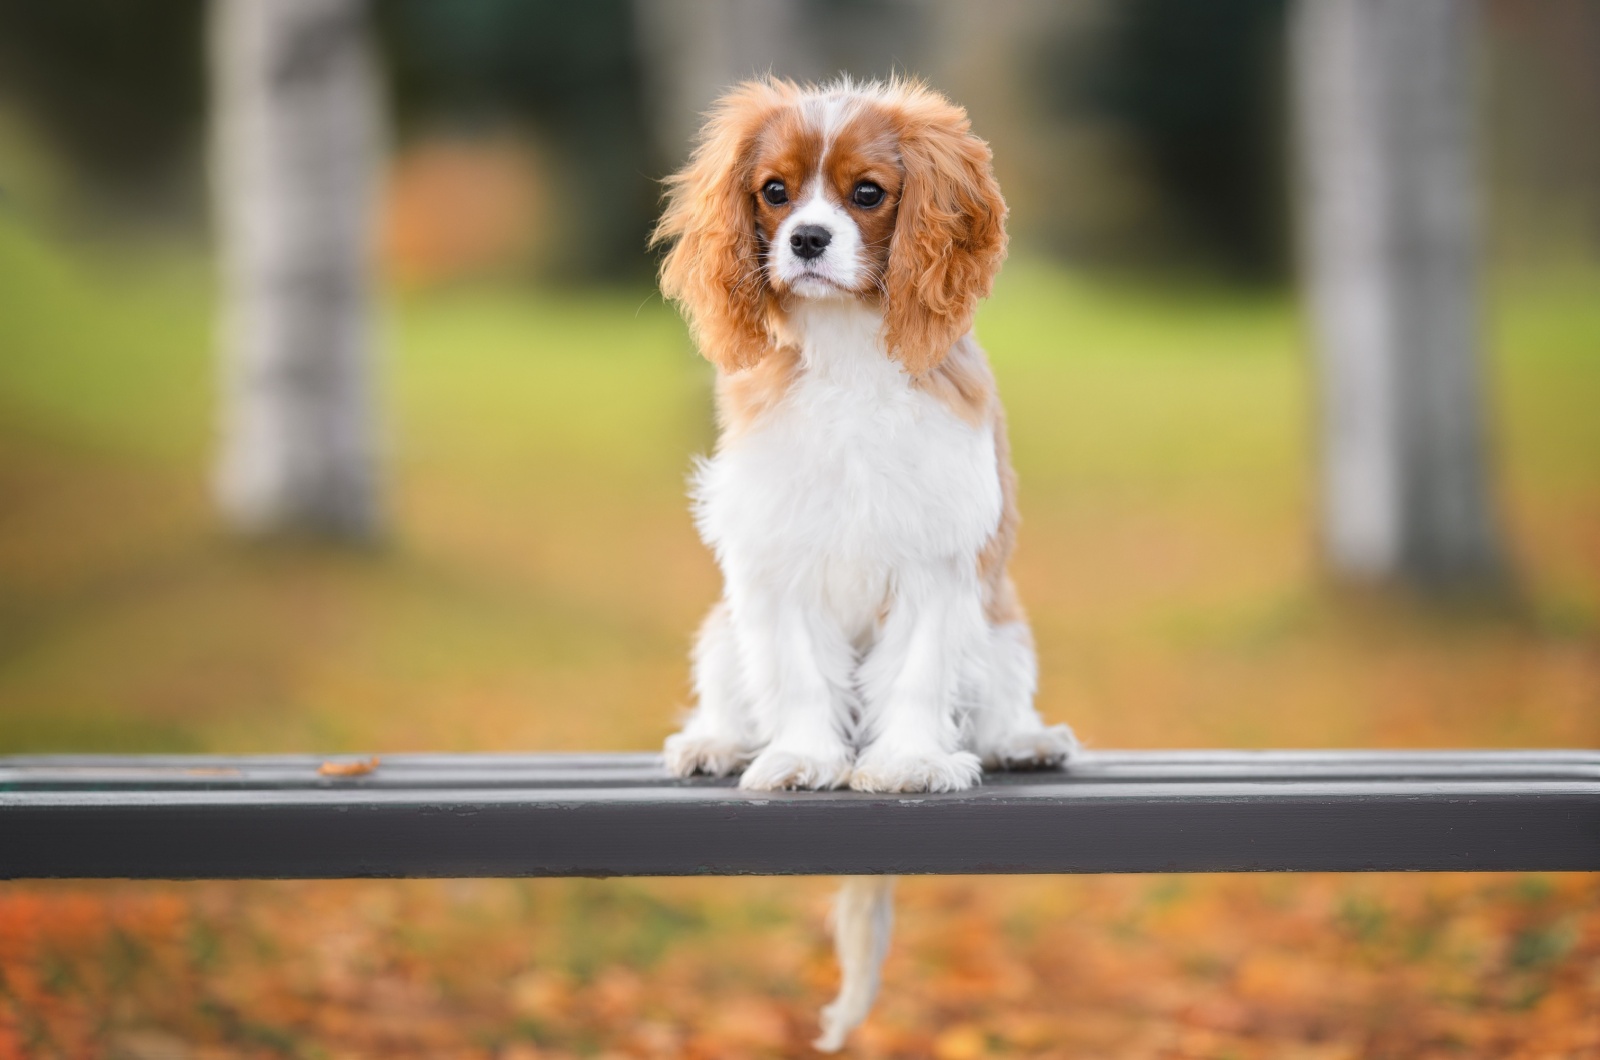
<point>863,913</point>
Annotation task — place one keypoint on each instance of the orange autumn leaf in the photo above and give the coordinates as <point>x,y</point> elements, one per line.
<point>358,768</point>
<point>961,1042</point>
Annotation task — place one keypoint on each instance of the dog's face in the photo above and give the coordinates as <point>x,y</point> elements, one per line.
<point>876,192</point>
<point>826,192</point>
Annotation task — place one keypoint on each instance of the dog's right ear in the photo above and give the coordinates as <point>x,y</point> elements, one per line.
<point>949,233</point>
<point>713,269</point>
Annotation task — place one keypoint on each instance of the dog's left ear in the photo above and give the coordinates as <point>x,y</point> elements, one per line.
<point>950,233</point>
<point>713,269</point>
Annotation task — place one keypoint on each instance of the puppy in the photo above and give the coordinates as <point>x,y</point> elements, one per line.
<point>828,247</point>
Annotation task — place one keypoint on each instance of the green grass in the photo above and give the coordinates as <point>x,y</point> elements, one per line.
<point>542,577</point>
<point>105,353</point>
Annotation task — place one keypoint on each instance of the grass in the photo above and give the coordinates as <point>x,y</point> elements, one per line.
<point>538,590</point>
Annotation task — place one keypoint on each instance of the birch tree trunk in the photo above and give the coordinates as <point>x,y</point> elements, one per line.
<point>295,131</point>
<point>1385,117</point>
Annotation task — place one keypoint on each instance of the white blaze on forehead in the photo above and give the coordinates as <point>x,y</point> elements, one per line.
<point>827,114</point>
<point>835,109</point>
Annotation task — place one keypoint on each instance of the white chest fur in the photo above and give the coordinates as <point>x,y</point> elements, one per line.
<point>854,479</point>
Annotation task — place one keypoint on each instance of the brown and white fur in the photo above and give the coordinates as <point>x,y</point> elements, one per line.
<point>829,246</point>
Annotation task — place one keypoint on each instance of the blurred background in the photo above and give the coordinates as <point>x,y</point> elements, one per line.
<point>338,413</point>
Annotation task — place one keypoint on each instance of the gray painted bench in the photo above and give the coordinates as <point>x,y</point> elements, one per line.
<point>620,815</point>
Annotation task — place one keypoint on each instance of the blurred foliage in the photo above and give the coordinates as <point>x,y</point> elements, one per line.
<point>1145,133</point>
<point>570,72</point>
<point>1198,90</point>
<point>1159,968</point>
<point>119,90</point>
<point>116,87</point>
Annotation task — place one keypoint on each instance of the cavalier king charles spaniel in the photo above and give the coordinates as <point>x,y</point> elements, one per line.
<point>829,246</point>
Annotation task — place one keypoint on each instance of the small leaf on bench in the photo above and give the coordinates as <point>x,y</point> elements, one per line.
<point>349,769</point>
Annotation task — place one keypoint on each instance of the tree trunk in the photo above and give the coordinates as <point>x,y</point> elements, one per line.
<point>295,132</point>
<point>1385,114</point>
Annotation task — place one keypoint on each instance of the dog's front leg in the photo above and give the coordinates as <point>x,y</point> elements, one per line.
<point>797,666</point>
<point>933,634</point>
<point>716,738</point>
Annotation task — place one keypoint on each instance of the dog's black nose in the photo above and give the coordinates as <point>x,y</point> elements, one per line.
<point>809,241</point>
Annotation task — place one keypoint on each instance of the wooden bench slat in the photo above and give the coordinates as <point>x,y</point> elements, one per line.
<point>618,814</point>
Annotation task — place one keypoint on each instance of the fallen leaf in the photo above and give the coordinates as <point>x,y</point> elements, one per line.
<point>961,1042</point>
<point>349,769</point>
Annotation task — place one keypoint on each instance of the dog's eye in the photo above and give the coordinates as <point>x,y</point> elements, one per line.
<point>775,193</point>
<point>867,195</point>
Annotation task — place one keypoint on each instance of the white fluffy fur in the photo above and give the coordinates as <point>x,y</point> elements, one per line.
<point>850,646</point>
<point>860,497</point>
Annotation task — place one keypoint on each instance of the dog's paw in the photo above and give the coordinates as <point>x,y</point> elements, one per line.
<point>689,753</point>
<point>776,770</point>
<point>888,771</point>
<point>1047,747</point>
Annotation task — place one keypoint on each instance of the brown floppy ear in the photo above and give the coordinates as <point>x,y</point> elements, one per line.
<point>950,232</point>
<point>713,270</point>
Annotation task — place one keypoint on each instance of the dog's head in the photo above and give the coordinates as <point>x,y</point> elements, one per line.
<point>877,192</point>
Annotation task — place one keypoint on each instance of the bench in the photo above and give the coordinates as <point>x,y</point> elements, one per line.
<point>281,816</point>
